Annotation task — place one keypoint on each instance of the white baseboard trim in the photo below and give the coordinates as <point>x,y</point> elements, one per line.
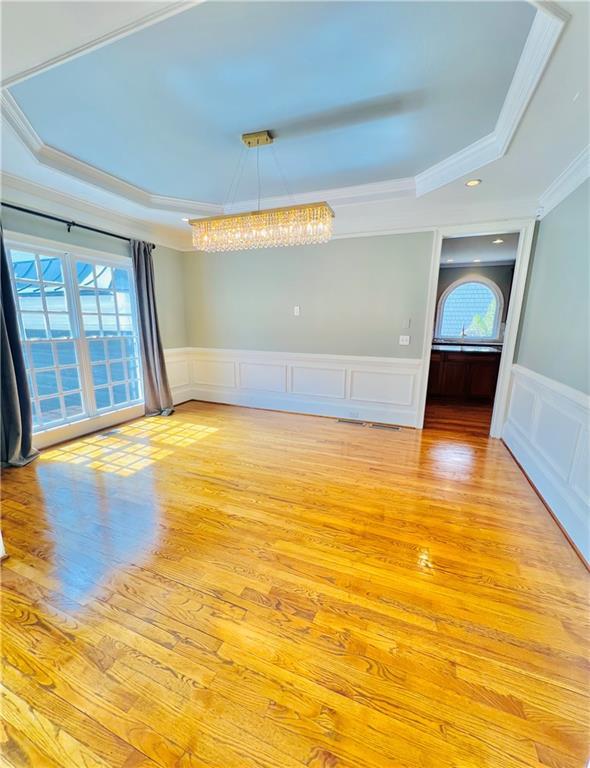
<point>547,431</point>
<point>345,386</point>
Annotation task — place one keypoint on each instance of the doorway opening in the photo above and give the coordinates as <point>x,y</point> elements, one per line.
<point>473,297</point>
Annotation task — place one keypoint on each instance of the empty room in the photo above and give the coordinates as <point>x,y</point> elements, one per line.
<point>295,384</point>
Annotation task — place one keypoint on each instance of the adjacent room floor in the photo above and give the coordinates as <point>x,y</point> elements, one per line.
<point>456,416</point>
<point>232,587</point>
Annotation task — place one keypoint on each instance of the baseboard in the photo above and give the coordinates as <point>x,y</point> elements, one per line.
<point>547,432</point>
<point>342,386</point>
<point>556,520</point>
<point>270,402</point>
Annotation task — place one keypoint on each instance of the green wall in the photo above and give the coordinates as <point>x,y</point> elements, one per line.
<point>168,267</point>
<point>355,297</point>
<point>554,335</point>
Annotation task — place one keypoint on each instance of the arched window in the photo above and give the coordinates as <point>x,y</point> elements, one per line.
<point>470,308</point>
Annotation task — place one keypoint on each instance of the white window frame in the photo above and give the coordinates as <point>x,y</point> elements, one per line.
<point>80,425</point>
<point>473,278</point>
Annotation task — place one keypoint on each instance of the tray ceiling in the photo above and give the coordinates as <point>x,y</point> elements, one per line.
<point>356,93</point>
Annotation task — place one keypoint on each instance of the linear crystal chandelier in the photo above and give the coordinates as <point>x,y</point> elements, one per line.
<point>269,228</point>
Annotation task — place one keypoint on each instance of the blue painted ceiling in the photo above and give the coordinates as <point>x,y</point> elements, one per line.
<point>356,92</point>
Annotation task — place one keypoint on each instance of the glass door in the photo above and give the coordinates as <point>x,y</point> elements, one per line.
<point>78,327</point>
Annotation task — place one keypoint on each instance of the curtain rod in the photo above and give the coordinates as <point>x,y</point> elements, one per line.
<point>69,224</point>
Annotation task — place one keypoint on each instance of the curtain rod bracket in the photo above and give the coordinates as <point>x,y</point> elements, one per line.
<point>69,224</point>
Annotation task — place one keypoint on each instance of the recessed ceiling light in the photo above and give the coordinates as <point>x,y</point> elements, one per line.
<point>497,241</point>
<point>185,218</point>
<point>473,183</point>
<point>449,261</point>
<point>476,260</point>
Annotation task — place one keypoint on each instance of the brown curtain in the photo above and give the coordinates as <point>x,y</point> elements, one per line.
<point>17,418</point>
<point>158,398</point>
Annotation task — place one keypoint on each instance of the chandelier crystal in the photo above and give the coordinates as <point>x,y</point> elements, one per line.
<point>292,225</point>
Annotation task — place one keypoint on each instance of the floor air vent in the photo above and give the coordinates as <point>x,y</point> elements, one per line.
<point>371,424</point>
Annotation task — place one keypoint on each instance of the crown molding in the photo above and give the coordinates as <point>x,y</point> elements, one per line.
<point>171,9</point>
<point>338,196</point>
<point>450,222</point>
<point>61,161</point>
<point>15,117</point>
<point>462,163</point>
<point>544,33</point>
<point>568,180</point>
<point>47,200</point>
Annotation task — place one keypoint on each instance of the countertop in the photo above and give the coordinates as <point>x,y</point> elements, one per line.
<point>473,349</point>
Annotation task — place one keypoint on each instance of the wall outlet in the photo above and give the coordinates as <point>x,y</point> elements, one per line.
<point>296,310</point>
<point>404,341</point>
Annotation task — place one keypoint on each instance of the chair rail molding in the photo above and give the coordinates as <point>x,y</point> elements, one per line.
<point>548,432</point>
<point>381,389</point>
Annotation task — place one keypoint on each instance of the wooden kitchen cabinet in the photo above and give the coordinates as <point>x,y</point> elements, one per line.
<point>483,375</point>
<point>463,375</point>
<point>434,374</point>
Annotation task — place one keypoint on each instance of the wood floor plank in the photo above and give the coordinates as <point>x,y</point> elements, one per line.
<point>237,588</point>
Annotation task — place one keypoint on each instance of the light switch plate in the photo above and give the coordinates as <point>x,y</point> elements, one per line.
<point>296,310</point>
<point>404,341</point>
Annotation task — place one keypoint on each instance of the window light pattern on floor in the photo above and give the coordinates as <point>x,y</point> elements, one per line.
<point>177,433</point>
<point>123,454</point>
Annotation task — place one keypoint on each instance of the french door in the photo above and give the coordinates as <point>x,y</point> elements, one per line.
<point>78,328</point>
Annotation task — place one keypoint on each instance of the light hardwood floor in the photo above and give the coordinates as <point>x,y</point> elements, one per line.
<point>239,588</point>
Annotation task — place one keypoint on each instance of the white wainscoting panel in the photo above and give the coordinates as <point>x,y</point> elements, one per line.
<point>214,373</point>
<point>178,367</point>
<point>347,386</point>
<point>547,431</point>
<point>264,377</point>
<point>382,386</point>
<point>318,382</point>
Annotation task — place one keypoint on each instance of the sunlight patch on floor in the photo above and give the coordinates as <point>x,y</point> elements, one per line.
<point>181,434</point>
<point>121,454</point>
<point>109,454</point>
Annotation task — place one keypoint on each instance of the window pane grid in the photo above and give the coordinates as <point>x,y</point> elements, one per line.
<point>75,316</point>
<point>469,310</point>
<point>48,363</point>
<point>112,342</point>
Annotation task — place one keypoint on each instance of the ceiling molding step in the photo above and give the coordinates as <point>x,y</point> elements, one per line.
<point>61,161</point>
<point>569,180</point>
<point>47,200</point>
<point>189,207</point>
<point>360,193</point>
<point>472,219</point>
<point>15,117</point>
<point>545,31</point>
<point>543,35</point>
<point>462,163</point>
<point>171,9</point>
